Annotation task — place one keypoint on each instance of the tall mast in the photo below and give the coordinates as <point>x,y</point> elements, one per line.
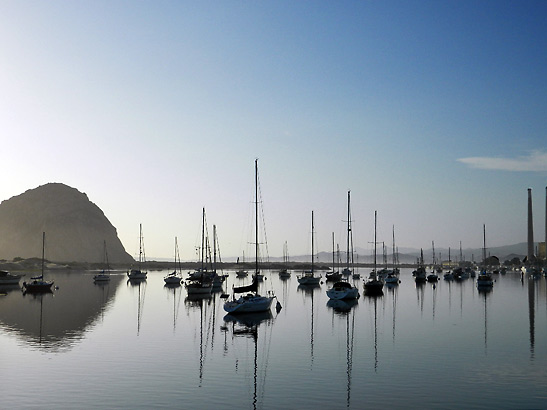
<point>375,244</point>
<point>333,251</point>
<point>349,232</point>
<point>256,216</point>
<point>214,248</point>
<point>202,238</point>
<point>140,246</point>
<point>43,251</point>
<point>312,242</point>
<point>484,245</point>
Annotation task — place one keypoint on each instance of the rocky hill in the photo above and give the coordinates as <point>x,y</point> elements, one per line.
<point>75,227</point>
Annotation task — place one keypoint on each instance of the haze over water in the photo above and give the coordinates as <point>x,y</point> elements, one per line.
<point>142,346</point>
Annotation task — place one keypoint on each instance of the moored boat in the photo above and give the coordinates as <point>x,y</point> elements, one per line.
<point>343,290</point>
<point>139,274</point>
<point>38,283</point>
<point>7,278</point>
<point>252,301</point>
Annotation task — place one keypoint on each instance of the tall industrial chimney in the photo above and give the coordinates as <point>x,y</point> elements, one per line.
<point>530,228</point>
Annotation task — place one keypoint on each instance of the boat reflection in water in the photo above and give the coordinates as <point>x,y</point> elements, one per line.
<point>342,305</point>
<point>309,290</point>
<point>202,302</point>
<point>63,324</point>
<point>246,327</point>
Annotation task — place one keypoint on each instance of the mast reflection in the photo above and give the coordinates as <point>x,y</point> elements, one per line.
<point>247,326</point>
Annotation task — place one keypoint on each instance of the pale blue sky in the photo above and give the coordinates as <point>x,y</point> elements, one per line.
<point>434,113</point>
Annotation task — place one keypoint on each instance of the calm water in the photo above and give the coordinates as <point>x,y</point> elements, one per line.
<point>146,346</point>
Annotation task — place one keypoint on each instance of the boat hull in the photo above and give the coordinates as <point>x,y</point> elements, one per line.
<point>7,278</point>
<point>309,280</point>
<point>343,294</point>
<point>136,275</point>
<point>172,280</point>
<point>37,286</point>
<point>249,304</point>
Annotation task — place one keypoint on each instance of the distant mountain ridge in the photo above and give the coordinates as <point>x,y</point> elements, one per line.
<point>410,255</point>
<point>75,227</point>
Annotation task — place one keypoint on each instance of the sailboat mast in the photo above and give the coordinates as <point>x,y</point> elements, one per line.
<point>375,212</point>
<point>333,251</point>
<point>140,246</point>
<point>312,241</point>
<point>256,216</point>
<point>214,247</point>
<point>484,245</point>
<point>393,250</point>
<point>43,251</point>
<point>202,238</point>
<point>349,230</point>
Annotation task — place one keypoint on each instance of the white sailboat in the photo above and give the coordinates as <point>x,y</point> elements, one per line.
<point>308,277</point>
<point>252,302</point>
<point>139,274</point>
<point>38,284</point>
<point>104,276</point>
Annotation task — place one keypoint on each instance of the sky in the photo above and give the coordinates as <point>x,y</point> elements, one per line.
<point>433,114</point>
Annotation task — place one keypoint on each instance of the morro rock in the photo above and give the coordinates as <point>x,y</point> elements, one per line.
<point>75,227</point>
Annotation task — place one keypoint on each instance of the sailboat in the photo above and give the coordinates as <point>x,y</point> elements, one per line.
<point>342,290</point>
<point>174,278</point>
<point>308,277</point>
<point>285,272</point>
<point>348,270</point>
<point>7,278</point>
<point>104,276</point>
<point>241,273</point>
<point>251,302</point>
<point>38,283</point>
<point>433,277</point>
<point>420,273</point>
<point>373,286</point>
<point>139,274</point>
<point>333,275</point>
<point>200,282</point>
<point>392,278</point>
<point>218,280</point>
<point>484,280</point>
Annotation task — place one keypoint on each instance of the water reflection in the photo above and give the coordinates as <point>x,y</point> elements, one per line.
<point>342,306</point>
<point>246,326</point>
<point>62,324</point>
<point>141,286</point>
<point>374,302</point>
<point>174,291</point>
<point>310,290</point>
<point>393,290</point>
<point>531,314</point>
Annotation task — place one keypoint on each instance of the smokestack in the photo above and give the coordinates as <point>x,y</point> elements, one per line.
<point>530,228</point>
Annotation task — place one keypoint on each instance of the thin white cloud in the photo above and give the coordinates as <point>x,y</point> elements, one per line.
<point>536,161</point>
